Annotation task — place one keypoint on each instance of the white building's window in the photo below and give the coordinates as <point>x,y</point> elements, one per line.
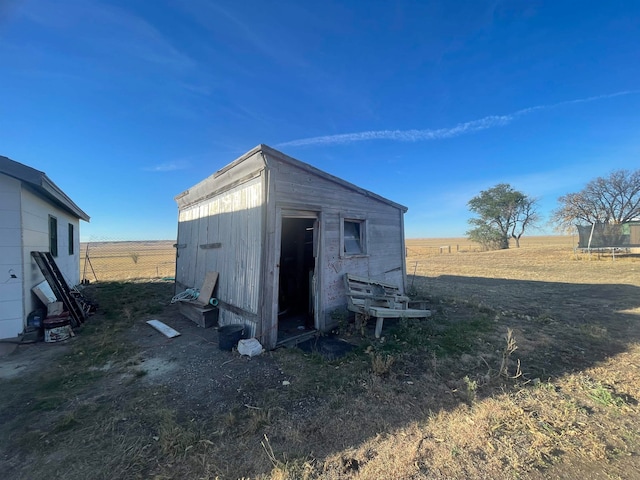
<point>71,239</point>
<point>53,236</point>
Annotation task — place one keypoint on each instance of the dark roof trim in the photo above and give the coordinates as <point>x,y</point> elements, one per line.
<point>41,184</point>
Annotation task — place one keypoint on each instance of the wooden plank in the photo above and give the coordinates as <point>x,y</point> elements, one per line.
<point>206,291</point>
<point>267,324</point>
<point>164,329</point>
<point>237,310</point>
<point>205,317</point>
<point>201,255</point>
<point>395,313</point>
<point>205,246</point>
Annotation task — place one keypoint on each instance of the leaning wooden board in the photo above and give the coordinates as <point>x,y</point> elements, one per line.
<point>208,286</point>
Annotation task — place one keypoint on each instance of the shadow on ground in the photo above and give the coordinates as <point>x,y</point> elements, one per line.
<point>572,326</point>
<point>308,407</point>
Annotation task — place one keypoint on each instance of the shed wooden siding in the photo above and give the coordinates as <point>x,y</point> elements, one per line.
<point>245,248</point>
<point>233,219</point>
<point>384,260</point>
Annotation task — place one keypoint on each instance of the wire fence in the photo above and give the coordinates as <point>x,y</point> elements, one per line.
<point>428,249</point>
<point>126,260</point>
<point>106,260</point>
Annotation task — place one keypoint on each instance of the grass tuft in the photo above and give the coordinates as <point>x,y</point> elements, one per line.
<point>381,364</point>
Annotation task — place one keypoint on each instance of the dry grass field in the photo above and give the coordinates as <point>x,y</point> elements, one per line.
<point>550,258</point>
<point>103,261</point>
<point>529,368</point>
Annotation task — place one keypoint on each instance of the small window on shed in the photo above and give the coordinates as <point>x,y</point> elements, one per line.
<point>71,242</point>
<point>353,237</point>
<point>53,236</point>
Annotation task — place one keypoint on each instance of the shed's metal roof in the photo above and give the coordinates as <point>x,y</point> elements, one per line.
<point>41,184</point>
<point>187,197</point>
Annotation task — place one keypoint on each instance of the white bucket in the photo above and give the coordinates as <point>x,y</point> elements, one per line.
<point>56,330</point>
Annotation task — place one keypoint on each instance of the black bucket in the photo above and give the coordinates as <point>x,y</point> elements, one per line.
<point>229,336</point>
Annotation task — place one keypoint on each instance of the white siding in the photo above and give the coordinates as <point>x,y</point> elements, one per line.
<point>11,306</point>
<point>35,215</point>
<point>233,220</point>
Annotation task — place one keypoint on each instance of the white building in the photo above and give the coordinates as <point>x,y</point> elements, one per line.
<point>35,215</point>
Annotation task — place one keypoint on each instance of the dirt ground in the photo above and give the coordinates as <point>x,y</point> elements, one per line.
<point>202,379</point>
<point>569,315</point>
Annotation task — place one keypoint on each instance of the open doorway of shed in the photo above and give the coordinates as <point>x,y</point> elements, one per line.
<point>296,294</point>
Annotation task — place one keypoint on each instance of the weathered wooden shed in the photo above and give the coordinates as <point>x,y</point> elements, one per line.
<point>282,234</point>
<point>35,215</point>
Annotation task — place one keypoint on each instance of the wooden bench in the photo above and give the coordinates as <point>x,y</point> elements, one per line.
<point>372,298</point>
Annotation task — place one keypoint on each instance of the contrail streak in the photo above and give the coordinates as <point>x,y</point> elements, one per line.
<point>441,133</point>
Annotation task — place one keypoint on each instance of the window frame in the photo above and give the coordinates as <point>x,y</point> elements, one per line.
<point>361,222</point>
<point>71,239</point>
<point>53,236</point>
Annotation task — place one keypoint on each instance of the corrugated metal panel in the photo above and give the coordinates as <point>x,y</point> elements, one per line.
<point>243,169</point>
<point>233,220</point>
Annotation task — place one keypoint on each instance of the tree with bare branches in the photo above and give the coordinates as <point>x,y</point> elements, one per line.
<point>609,200</point>
<point>503,213</point>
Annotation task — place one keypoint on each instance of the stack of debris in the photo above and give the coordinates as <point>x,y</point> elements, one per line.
<point>200,305</point>
<point>66,306</point>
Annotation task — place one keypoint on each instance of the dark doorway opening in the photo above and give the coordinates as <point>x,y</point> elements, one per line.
<point>297,268</point>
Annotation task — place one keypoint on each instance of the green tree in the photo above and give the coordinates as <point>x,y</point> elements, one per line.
<point>503,213</point>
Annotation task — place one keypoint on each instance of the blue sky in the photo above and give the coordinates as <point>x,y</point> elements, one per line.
<point>125,104</point>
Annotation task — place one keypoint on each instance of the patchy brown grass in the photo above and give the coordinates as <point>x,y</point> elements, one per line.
<point>528,369</point>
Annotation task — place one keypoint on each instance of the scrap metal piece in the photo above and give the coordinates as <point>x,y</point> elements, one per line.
<point>163,328</point>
